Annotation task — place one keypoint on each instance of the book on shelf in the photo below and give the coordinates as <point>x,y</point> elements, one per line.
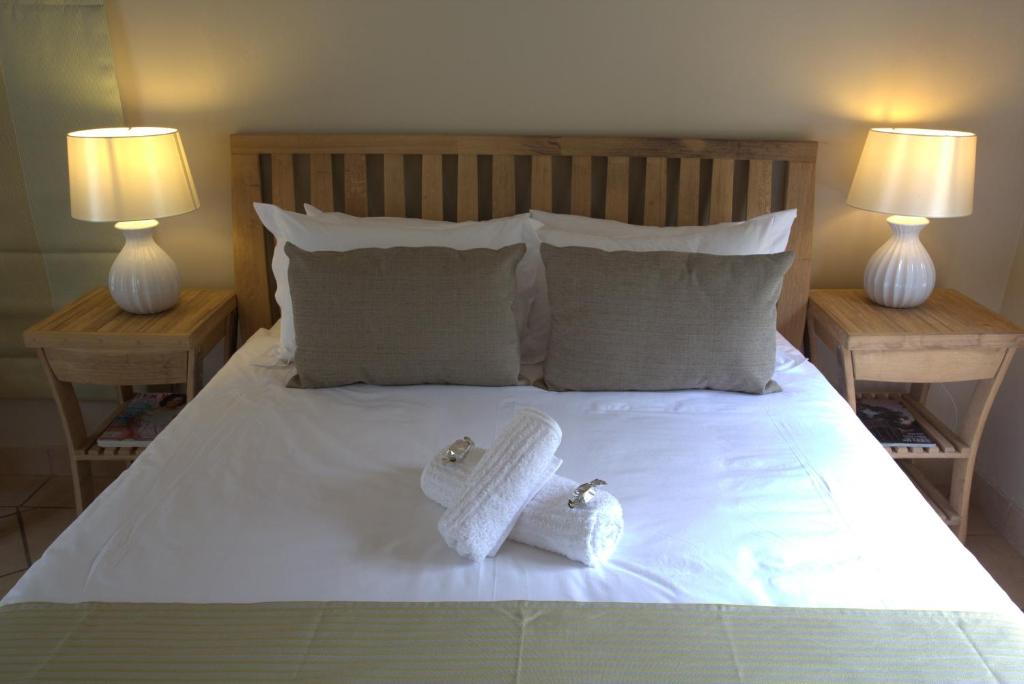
<point>892,424</point>
<point>141,419</point>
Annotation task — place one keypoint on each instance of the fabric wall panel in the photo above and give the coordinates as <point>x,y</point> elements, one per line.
<point>57,76</point>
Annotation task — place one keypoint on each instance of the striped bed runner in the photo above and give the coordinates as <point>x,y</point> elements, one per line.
<point>519,641</point>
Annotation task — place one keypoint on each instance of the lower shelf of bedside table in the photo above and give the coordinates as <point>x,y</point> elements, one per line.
<point>935,498</point>
<point>98,453</point>
<point>95,452</point>
<point>948,446</point>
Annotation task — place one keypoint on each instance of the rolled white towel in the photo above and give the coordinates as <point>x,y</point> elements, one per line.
<point>504,480</point>
<point>588,534</point>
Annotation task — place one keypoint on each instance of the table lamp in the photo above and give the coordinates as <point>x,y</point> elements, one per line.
<point>915,174</point>
<point>133,176</point>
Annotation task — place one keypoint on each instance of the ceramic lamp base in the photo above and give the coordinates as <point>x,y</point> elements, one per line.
<point>143,278</point>
<point>901,274</point>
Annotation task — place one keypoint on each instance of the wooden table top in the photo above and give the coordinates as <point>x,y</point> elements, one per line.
<point>947,317</point>
<point>95,321</point>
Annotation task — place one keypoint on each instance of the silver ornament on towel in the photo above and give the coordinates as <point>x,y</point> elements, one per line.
<point>584,493</point>
<point>457,450</point>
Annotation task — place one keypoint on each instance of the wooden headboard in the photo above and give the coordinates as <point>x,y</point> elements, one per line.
<point>654,181</point>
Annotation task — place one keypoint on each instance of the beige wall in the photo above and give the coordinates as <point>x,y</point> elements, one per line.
<point>787,68</point>
<point>57,75</point>
<point>1001,456</point>
<point>810,69</point>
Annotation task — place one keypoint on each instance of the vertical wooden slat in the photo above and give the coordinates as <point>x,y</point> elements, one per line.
<point>432,188</point>
<point>792,309</point>
<point>355,184</point>
<point>616,196</point>
<point>759,187</point>
<point>252,283</point>
<point>503,185</point>
<point>321,181</point>
<point>394,185</point>
<point>468,209</point>
<point>540,182</point>
<point>655,187</point>
<point>581,182</point>
<point>689,191</point>
<point>800,196</point>
<point>282,181</point>
<point>720,210</point>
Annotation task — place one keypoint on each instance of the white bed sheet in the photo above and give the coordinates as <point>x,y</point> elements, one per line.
<point>262,493</point>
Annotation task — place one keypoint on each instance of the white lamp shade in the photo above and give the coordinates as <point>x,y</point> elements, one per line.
<point>916,172</point>
<point>129,174</point>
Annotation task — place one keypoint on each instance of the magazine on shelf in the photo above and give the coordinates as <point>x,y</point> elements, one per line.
<point>892,424</point>
<point>141,419</point>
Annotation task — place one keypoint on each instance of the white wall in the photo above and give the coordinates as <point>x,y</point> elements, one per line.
<point>1001,457</point>
<point>783,69</point>
<point>806,69</point>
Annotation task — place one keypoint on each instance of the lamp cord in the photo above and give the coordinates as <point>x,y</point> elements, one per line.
<point>952,401</point>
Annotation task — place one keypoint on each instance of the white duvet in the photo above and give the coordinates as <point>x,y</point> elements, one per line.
<point>262,493</point>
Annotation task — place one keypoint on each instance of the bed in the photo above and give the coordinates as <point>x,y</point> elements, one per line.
<point>280,533</point>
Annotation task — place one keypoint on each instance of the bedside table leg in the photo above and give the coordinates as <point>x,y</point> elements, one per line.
<point>81,481</point>
<point>192,380</point>
<point>960,493</point>
<point>231,335</point>
<point>74,426</point>
<point>971,427</point>
<point>812,352</point>
<point>849,384</point>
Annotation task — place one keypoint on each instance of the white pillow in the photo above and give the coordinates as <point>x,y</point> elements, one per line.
<point>341,216</point>
<point>313,211</point>
<point>766,234</point>
<point>340,232</point>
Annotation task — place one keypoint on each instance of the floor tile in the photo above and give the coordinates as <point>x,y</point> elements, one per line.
<point>1002,562</point>
<point>12,549</point>
<point>1013,529</point>
<point>994,551</point>
<point>57,492</point>
<point>59,460</point>
<point>101,483</point>
<point>109,469</point>
<point>8,581</point>
<point>977,523</point>
<point>1015,589</point>
<point>42,526</point>
<point>15,489</point>
<point>24,461</point>
<point>996,507</point>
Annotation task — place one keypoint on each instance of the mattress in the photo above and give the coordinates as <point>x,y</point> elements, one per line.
<point>261,493</point>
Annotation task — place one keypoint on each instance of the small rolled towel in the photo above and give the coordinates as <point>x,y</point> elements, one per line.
<point>504,480</point>
<point>588,534</point>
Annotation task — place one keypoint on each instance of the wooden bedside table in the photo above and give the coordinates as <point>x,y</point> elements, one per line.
<point>92,341</point>
<point>949,338</point>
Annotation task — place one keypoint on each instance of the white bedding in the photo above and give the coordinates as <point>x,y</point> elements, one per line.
<point>262,493</point>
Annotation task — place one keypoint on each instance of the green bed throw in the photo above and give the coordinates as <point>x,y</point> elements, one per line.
<point>519,641</point>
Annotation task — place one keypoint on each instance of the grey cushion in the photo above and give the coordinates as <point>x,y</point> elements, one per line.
<point>661,320</point>
<point>404,316</point>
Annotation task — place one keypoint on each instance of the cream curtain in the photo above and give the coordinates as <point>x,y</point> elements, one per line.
<point>57,75</point>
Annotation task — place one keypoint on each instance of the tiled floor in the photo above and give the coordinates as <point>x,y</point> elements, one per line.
<point>35,509</point>
<point>1000,559</point>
